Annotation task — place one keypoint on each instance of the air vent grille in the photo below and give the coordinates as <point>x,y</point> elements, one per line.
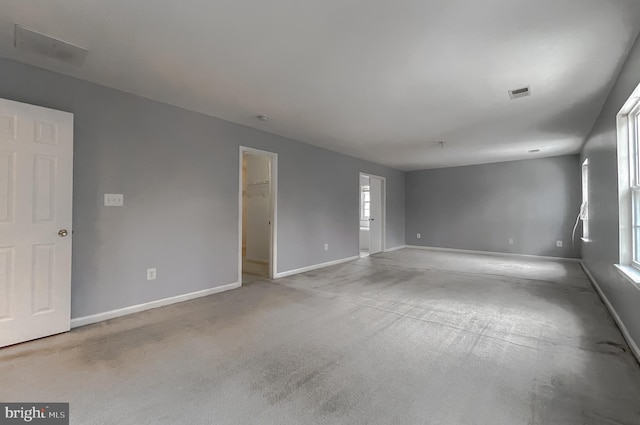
<point>44,45</point>
<point>521,92</point>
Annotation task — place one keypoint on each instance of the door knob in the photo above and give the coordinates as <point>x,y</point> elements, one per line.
<point>372,219</point>
<point>62,233</point>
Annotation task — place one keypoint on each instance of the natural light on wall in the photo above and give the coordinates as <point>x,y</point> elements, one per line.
<point>629,186</point>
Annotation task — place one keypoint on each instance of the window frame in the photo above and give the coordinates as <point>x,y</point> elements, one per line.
<point>634,181</point>
<point>628,153</point>
<point>584,210</point>
<point>365,189</point>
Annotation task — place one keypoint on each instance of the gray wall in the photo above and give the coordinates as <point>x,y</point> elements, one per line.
<point>178,171</point>
<point>479,207</point>
<point>602,252</point>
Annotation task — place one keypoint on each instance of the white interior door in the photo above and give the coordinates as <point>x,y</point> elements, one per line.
<point>376,218</point>
<point>36,163</point>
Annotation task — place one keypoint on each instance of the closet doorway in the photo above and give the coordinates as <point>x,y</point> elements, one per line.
<point>257,223</point>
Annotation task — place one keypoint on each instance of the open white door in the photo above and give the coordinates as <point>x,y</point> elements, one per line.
<point>376,217</point>
<point>36,163</point>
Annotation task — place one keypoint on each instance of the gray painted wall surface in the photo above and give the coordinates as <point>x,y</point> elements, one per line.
<point>602,252</point>
<point>480,207</point>
<point>178,171</point>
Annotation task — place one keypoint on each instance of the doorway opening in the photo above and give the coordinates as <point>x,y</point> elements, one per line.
<point>257,221</point>
<point>372,216</point>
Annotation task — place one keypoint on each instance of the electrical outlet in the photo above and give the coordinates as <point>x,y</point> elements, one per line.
<point>559,244</point>
<point>510,241</point>
<point>151,274</point>
<point>418,235</point>
<point>113,199</point>
<point>326,247</point>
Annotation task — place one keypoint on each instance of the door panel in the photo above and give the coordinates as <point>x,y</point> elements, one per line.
<point>375,226</point>
<point>44,176</point>
<point>7,186</point>
<point>36,162</point>
<point>6,281</point>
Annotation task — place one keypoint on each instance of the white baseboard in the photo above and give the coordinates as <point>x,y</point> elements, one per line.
<point>635,350</point>
<point>395,248</point>
<point>315,267</point>
<point>493,253</point>
<point>94,318</point>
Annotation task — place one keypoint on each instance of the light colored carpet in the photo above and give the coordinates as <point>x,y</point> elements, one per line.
<point>408,337</point>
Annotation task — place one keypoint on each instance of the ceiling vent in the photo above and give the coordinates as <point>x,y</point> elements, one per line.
<point>43,45</point>
<point>518,93</point>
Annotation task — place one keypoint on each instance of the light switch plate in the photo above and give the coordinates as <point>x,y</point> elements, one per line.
<point>559,244</point>
<point>113,199</point>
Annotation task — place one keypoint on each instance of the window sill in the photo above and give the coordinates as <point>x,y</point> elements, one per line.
<point>630,273</point>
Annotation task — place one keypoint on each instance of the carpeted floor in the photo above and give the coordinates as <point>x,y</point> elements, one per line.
<point>408,337</point>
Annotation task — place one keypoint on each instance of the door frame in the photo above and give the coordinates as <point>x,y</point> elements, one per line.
<point>383,186</point>
<point>273,214</point>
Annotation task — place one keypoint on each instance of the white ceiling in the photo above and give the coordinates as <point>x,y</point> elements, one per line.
<point>377,79</point>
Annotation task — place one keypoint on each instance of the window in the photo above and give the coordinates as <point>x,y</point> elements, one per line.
<point>365,202</point>
<point>634,185</point>
<point>629,186</point>
<point>584,208</point>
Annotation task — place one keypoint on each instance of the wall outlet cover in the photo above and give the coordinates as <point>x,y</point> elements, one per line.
<point>559,244</point>
<point>418,235</point>
<point>151,274</point>
<point>510,241</point>
<point>326,247</point>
